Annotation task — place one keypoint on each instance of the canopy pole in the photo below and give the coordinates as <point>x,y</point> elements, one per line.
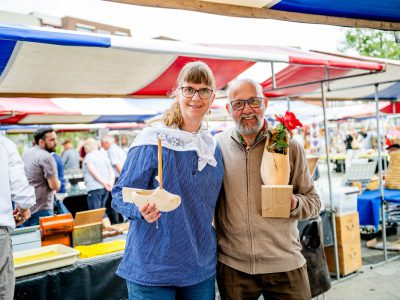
<point>273,76</point>
<point>328,86</point>
<point>382,195</point>
<point>288,103</point>
<point>328,164</point>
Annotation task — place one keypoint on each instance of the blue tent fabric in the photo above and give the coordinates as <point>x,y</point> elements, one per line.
<point>53,37</point>
<point>6,49</point>
<point>384,10</point>
<point>390,93</point>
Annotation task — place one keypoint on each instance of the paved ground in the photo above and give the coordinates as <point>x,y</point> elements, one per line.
<point>379,283</point>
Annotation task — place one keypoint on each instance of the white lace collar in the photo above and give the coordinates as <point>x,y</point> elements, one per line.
<point>179,140</point>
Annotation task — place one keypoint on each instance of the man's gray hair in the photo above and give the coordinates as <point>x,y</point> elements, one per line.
<point>107,138</point>
<point>90,145</point>
<point>240,81</point>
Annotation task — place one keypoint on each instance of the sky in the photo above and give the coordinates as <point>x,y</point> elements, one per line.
<point>146,22</point>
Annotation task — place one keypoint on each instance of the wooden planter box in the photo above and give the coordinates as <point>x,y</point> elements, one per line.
<point>276,200</point>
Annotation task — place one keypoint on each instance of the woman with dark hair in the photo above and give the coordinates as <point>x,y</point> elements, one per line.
<point>173,255</point>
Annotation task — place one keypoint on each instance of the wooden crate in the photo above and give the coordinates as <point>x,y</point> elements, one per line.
<point>349,258</point>
<point>347,229</point>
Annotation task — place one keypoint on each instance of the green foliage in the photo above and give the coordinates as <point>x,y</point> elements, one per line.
<point>374,43</point>
<point>277,142</point>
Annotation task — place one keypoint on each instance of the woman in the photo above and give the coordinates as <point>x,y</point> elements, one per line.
<point>175,258</point>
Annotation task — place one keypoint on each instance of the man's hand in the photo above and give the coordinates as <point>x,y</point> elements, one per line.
<point>294,203</point>
<point>21,215</point>
<point>108,187</point>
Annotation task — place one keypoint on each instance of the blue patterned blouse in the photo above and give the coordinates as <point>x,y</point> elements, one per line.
<point>182,251</point>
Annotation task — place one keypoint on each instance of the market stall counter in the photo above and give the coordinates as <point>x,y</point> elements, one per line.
<point>369,205</point>
<point>92,278</point>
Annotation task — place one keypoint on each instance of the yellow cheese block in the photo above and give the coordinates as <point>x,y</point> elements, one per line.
<point>36,257</point>
<point>100,249</point>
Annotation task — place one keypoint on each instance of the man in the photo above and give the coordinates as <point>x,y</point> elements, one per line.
<point>14,187</point>
<point>258,255</point>
<point>117,157</point>
<point>41,171</point>
<point>70,156</point>
<point>366,139</point>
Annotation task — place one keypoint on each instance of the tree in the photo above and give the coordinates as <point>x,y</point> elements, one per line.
<point>374,43</point>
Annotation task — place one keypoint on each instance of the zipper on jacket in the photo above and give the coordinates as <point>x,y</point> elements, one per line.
<point>252,259</point>
<point>246,153</point>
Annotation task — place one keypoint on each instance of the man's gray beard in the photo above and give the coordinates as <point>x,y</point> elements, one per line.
<point>249,130</point>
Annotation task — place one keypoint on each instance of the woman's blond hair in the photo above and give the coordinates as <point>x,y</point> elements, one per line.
<point>194,72</point>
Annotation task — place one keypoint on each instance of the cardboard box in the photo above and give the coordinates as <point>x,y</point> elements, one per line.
<point>348,229</point>
<point>349,258</point>
<point>276,200</point>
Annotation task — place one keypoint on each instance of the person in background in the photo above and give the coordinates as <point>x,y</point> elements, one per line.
<point>82,154</point>
<point>365,139</point>
<point>70,156</point>
<point>258,255</point>
<point>59,207</point>
<point>14,188</point>
<point>115,153</point>
<point>177,258</point>
<point>41,171</point>
<point>117,157</point>
<point>60,171</point>
<point>98,175</point>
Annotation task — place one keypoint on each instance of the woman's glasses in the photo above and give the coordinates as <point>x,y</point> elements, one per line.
<point>254,102</point>
<point>189,92</point>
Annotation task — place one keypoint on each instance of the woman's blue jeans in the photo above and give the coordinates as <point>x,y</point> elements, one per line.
<point>202,291</point>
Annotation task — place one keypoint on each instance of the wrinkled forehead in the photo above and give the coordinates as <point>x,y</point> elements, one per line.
<point>243,91</point>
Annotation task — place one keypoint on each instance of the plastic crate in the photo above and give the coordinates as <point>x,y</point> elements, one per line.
<point>361,171</point>
<point>344,199</point>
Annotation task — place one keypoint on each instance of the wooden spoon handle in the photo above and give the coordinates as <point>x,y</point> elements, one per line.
<point>160,180</point>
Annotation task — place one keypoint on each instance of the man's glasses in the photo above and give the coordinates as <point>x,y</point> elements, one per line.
<point>189,92</point>
<point>254,102</point>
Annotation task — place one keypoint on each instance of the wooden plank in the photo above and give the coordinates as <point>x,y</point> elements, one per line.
<point>261,13</point>
<point>87,217</point>
<point>276,201</point>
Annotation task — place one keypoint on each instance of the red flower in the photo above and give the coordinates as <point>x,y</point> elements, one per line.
<point>289,120</point>
<point>278,138</point>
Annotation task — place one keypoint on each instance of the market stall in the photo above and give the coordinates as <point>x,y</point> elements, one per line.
<point>86,279</point>
<point>41,63</point>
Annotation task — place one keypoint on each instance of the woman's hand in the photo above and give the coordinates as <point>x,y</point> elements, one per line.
<point>150,213</point>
